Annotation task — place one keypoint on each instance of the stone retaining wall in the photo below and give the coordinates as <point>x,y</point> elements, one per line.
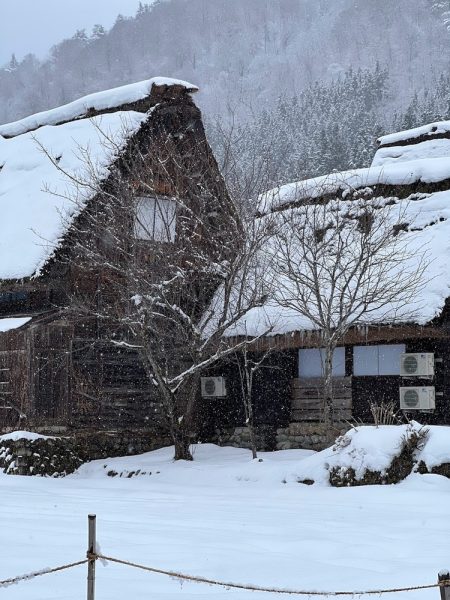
<point>54,457</point>
<point>60,456</point>
<point>309,436</point>
<point>239,437</point>
<point>107,444</point>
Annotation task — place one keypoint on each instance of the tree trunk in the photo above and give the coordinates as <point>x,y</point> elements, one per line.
<point>251,430</point>
<point>178,408</point>
<point>251,425</point>
<point>182,444</point>
<point>182,428</point>
<point>328,388</point>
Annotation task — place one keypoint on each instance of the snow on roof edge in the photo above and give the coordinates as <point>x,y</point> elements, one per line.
<point>10,323</point>
<point>438,127</point>
<point>426,170</point>
<point>106,99</point>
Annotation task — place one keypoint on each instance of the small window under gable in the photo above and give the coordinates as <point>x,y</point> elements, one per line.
<point>155,219</point>
<point>311,361</point>
<point>377,360</point>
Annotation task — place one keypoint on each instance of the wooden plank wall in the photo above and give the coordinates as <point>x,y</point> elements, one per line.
<point>14,379</point>
<point>50,347</point>
<point>307,399</point>
<point>111,388</point>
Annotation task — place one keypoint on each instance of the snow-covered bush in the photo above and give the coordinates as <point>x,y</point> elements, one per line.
<point>368,455</point>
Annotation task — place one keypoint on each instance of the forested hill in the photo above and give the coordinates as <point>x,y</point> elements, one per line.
<point>320,72</point>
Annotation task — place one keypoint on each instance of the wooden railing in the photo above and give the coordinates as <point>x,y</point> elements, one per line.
<point>307,399</point>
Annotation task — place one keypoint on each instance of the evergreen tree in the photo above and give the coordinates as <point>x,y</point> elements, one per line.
<point>326,127</point>
<point>13,63</point>
<point>98,31</point>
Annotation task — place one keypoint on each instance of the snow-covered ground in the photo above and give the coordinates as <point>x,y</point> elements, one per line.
<point>223,516</point>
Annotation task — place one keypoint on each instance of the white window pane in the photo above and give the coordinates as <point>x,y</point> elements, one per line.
<point>310,362</point>
<point>155,219</point>
<point>164,220</point>
<point>365,360</point>
<point>389,359</point>
<point>338,362</point>
<point>377,360</point>
<point>144,224</point>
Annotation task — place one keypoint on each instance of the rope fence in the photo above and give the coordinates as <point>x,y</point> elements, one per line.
<point>13,580</point>
<point>92,556</point>
<point>272,590</point>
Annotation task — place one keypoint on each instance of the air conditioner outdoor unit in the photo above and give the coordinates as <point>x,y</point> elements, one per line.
<point>417,398</point>
<point>213,387</point>
<point>417,364</point>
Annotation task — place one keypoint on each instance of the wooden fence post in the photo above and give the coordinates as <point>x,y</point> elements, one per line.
<point>444,589</point>
<point>90,552</point>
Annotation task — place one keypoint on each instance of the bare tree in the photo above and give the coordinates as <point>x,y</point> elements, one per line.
<point>249,365</point>
<point>248,172</point>
<point>343,263</point>
<point>178,265</point>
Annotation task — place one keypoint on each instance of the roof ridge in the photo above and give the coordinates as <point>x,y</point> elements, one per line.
<point>93,104</point>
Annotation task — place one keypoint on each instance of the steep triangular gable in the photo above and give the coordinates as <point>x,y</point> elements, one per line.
<point>36,208</point>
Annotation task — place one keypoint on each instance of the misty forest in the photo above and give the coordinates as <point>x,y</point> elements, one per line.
<point>301,87</point>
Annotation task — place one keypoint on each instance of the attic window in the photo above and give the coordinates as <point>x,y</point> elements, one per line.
<point>155,219</point>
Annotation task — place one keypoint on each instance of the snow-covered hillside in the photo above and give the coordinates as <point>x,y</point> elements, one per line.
<point>238,50</point>
<point>258,68</point>
<point>222,516</point>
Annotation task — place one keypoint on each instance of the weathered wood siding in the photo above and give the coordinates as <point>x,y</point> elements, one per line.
<point>307,399</point>
<point>15,378</point>
<point>51,364</point>
<point>111,388</point>
<point>281,397</point>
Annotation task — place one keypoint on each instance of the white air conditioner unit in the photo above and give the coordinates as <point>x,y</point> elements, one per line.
<point>417,364</point>
<point>417,398</point>
<point>213,387</point>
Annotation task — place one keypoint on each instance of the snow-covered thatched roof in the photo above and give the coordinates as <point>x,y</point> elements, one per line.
<point>412,176</point>
<point>439,128</point>
<point>33,221</point>
<point>99,101</point>
<point>407,172</point>
<point>414,156</point>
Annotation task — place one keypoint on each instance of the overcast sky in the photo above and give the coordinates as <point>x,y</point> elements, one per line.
<point>35,25</point>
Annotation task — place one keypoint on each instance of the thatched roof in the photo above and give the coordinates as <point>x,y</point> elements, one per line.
<point>33,221</point>
<point>412,176</point>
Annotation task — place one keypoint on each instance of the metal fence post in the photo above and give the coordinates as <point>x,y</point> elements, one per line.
<point>90,553</point>
<point>445,588</point>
